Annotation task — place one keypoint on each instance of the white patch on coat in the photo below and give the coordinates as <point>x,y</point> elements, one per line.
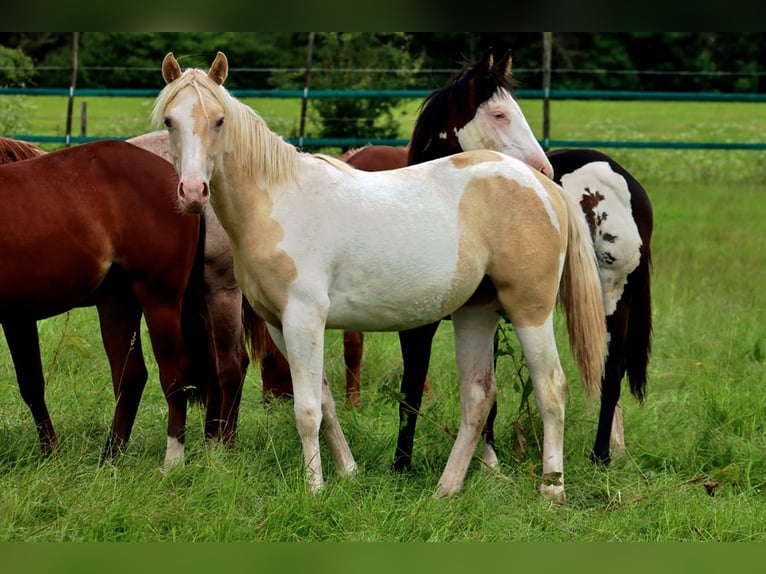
<point>616,240</point>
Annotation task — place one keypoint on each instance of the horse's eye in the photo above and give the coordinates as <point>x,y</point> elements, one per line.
<point>499,115</point>
<point>219,123</point>
<point>168,123</point>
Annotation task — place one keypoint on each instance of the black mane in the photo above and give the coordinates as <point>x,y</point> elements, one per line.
<point>450,108</point>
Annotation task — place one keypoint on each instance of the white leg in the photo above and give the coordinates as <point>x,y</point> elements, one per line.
<point>333,433</point>
<point>618,431</point>
<point>313,403</point>
<point>539,347</point>
<point>490,457</point>
<point>304,347</point>
<point>474,331</point>
<point>174,455</point>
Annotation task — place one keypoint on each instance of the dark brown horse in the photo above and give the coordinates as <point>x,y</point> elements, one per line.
<point>614,203</point>
<point>98,224</point>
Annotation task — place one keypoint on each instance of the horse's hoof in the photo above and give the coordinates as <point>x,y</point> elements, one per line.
<point>600,458</point>
<point>555,494</point>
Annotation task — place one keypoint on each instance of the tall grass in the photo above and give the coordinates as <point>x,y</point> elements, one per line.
<point>694,469</point>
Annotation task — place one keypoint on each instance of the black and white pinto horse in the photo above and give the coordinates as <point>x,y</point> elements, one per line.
<point>619,215</point>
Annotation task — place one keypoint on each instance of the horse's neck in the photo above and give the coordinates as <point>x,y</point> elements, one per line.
<point>436,145</point>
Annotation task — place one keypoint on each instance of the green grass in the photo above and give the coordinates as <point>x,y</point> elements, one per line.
<point>703,420</point>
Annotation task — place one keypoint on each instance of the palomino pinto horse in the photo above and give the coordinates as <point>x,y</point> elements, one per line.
<point>488,233</point>
<point>468,114</point>
<point>98,224</point>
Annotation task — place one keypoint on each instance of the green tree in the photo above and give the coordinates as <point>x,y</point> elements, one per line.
<point>16,69</point>
<point>358,61</point>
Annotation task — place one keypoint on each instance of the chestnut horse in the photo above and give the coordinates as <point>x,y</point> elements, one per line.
<point>487,234</point>
<point>98,224</point>
<point>619,215</point>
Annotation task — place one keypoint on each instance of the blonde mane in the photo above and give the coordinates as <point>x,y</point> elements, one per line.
<point>247,139</point>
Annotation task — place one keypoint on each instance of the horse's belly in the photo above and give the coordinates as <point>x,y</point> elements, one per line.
<point>409,302</point>
<point>42,287</point>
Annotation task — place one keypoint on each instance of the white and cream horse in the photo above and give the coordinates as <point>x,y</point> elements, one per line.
<point>466,236</point>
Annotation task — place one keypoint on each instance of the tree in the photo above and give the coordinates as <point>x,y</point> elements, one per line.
<point>358,61</point>
<point>16,69</point>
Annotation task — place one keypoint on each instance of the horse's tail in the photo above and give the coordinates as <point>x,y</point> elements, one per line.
<point>580,295</point>
<point>275,370</point>
<point>638,341</point>
<point>194,326</point>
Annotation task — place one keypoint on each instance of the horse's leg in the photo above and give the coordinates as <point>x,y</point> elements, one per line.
<point>213,394</point>
<point>275,370</point>
<point>474,329</point>
<point>614,371</point>
<point>120,320</point>
<point>312,400</point>
<point>225,323</point>
<point>490,452</point>
<point>24,344</point>
<point>538,345</point>
<point>163,321</point>
<point>416,355</point>
<point>353,346</point>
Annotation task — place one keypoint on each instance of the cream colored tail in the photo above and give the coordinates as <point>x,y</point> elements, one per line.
<point>580,295</point>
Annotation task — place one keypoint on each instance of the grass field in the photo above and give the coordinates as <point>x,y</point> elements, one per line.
<point>702,422</point>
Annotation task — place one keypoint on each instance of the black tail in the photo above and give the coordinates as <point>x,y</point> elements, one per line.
<point>638,343</point>
<point>194,326</point>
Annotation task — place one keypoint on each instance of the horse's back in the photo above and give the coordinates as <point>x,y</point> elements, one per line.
<point>417,241</point>
<point>377,158</point>
<point>73,213</point>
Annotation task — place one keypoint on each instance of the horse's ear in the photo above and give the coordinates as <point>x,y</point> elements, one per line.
<point>170,68</point>
<point>504,65</point>
<point>219,69</point>
<point>485,64</point>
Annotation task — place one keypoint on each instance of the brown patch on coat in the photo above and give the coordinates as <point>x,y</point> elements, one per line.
<point>469,158</point>
<point>507,233</point>
<point>263,268</point>
<point>589,204</point>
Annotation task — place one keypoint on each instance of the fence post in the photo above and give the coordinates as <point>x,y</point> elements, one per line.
<point>70,102</point>
<point>547,42</point>
<point>84,119</point>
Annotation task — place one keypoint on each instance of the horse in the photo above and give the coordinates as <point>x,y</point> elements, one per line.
<point>97,225</point>
<point>488,233</point>
<point>519,142</point>
<point>619,215</point>
<point>228,359</point>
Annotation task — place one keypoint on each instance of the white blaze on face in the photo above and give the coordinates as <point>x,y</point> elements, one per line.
<point>605,200</point>
<point>185,142</point>
<point>500,125</point>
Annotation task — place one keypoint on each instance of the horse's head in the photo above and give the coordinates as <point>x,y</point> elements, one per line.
<point>191,106</point>
<point>477,110</point>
